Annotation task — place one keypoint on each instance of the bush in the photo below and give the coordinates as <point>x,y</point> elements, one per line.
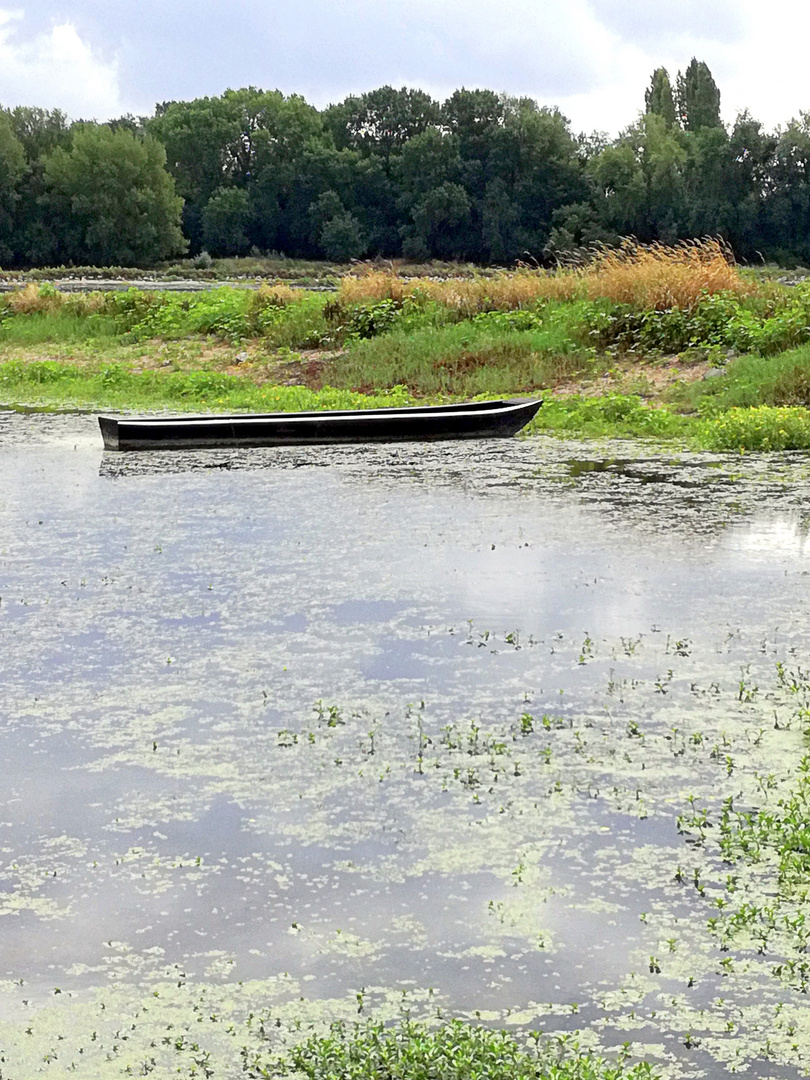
<point>361,320</point>
<point>760,428</point>
<point>34,299</point>
<point>36,372</point>
<point>509,320</point>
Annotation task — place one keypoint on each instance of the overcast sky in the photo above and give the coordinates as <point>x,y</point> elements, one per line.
<point>591,58</point>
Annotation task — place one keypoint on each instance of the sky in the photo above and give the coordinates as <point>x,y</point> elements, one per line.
<point>96,59</point>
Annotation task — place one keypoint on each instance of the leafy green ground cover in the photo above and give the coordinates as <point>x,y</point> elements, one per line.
<point>603,367</point>
<point>455,1051</point>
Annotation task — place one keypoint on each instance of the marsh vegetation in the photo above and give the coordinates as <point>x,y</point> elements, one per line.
<point>667,342</point>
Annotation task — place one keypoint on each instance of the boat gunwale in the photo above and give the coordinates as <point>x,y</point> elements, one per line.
<point>456,409</point>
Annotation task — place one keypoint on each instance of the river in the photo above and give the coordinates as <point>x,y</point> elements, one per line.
<point>302,733</point>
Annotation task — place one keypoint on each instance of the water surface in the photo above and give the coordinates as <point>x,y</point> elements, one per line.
<point>414,723</point>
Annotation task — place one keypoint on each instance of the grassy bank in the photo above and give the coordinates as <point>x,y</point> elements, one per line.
<point>668,343</point>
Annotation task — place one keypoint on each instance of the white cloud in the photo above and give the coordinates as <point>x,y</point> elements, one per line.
<point>767,73</point>
<point>56,70</point>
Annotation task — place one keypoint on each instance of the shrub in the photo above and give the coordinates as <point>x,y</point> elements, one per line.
<point>278,295</point>
<point>761,428</point>
<point>37,372</point>
<point>661,276</point>
<point>509,320</point>
<point>361,320</point>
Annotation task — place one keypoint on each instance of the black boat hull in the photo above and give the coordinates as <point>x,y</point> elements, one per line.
<point>475,420</point>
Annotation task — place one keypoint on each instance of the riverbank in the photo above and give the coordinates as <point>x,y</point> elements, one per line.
<point>626,401</point>
<point>670,344</point>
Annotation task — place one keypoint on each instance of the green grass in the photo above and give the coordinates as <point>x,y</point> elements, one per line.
<point>466,358</point>
<point>64,327</point>
<point>114,386</point>
<point>614,416</point>
<point>455,1051</point>
<point>759,428</point>
<point>751,381</point>
<point>758,403</point>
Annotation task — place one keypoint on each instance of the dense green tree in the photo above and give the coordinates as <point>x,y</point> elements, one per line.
<point>748,182</point>
<point>40,131</point>
<point>381,121</point>
<point>426,161</point>
<point>640,181</point>
<point>438,217</point>
<point>273,132</point>
<point>342,238</point>
<point>482,177</point>
<point>471,115</point>
<point>658,97</point>
<point>112,200</point>
<point>536,157</point>
<point>706,180</point>
<point>698,97</point>
<point>134,124</point>
<point>12,170</point>
<point>499,220</point>
<point>320,169</point>
<point>195,135</point>
<point>787,205</point>
<point>235,139</point>
<point>577,226</point>
<point>327,206</point>
<point>225,220</point>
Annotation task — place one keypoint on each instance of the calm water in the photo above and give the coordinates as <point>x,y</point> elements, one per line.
<point>272,736</point>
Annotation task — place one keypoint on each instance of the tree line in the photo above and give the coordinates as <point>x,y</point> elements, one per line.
<point>481,176</point>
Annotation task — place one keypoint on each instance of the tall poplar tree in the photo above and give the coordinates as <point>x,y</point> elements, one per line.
<point>658,97</point>
<point>698,97</point>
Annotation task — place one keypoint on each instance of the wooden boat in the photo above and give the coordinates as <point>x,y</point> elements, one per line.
<point>471,420</point>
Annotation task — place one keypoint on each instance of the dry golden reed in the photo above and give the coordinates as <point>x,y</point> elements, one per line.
<point>30,300</point>
<point>278,295</point>
<point>653,276</point>
<point>38,300</point>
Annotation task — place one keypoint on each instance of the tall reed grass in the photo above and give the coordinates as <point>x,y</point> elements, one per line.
<point>649,276</point>
<point>44,299</point>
